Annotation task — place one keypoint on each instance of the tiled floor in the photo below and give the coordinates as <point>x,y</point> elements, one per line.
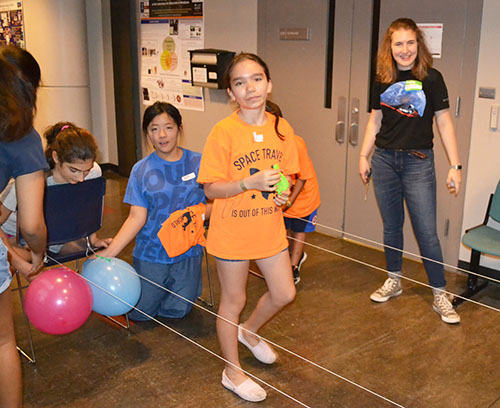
<point>400,351</point>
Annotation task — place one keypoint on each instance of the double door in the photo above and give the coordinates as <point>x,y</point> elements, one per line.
<point>322,86</point>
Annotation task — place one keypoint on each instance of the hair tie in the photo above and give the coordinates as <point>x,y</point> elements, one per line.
<point>64,127</point>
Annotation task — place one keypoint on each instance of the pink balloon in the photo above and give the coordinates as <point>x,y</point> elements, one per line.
<point>58,301</point>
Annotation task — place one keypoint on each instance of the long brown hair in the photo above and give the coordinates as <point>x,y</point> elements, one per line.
<point>387,71</point>
<point>19,80</point>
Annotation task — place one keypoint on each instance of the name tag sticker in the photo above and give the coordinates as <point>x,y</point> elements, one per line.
<point>258,138</point>
<point>188,177</point>
<point>413,85</point>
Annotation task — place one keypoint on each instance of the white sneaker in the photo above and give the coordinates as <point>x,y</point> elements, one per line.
<point>390,288</point>
<point>443,306</point>
<point>248,390</point>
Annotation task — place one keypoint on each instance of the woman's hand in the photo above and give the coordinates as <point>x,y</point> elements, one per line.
<point>264,180</point>
<point>364,169</point>
<point>453,181</point>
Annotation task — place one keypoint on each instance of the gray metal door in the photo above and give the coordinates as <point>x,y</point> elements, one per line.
<point>334,134</point>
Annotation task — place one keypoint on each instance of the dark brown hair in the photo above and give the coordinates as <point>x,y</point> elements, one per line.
<point>157,109</point>
<point>387,71</point>
<point>70,142</point>
<point>19,80</point>
<point>255,58</point>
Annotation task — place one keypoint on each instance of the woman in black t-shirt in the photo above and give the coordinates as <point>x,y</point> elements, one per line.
<point>407,95</point>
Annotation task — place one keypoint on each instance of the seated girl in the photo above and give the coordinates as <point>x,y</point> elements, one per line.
<point>71,152</point>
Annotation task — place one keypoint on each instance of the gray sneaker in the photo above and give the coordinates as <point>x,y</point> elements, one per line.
<point>443,306</point>
<point>390,288</point>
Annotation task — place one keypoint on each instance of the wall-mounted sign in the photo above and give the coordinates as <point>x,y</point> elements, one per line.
<point>169,29</point>
<point>11,23</point>
<point>297,34</point>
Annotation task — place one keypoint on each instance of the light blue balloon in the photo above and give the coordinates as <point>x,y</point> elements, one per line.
<point>116,277</point>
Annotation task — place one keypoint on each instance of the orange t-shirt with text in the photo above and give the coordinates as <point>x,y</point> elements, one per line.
<point>308,199</point>
<point>248,225</point>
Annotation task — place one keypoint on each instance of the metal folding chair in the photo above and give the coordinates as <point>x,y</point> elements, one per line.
<point>72,212</point>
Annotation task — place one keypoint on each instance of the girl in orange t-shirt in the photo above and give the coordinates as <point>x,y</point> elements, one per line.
<point>246,221</point>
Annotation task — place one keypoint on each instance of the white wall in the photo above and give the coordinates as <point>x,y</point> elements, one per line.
<point>101,79</point>
<point>56,36</point>
<point>229,25</point>
<point>484,156</point>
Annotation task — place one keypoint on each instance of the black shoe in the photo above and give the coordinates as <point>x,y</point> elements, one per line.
<point>302,260</point>
<point>296,274</point>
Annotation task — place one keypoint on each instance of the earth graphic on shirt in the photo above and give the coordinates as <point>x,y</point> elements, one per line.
<point>404,98</point>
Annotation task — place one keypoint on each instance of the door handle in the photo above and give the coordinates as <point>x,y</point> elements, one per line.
<point>354,126</point>
<point>340,125</point>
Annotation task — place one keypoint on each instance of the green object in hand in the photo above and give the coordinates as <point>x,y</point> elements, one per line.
<point>283,183</point>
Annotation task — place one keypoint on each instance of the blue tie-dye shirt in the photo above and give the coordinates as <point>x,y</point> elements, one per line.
<point>163,187</point>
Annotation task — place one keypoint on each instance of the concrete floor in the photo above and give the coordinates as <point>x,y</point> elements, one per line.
<point>400,350</point>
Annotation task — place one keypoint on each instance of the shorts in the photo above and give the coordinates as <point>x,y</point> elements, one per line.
<point>240,260</point>
<point>303,224</point>
<point>5,275</point>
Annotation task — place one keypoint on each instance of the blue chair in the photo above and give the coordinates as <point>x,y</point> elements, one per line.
<point>482,239</point>
<point>73,212</point>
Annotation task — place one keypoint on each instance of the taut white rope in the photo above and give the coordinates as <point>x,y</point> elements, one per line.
<point>402,251</point>
<point>267,340</point>
<point>185,337</point>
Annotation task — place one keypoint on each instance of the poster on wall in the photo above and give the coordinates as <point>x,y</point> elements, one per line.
<point>169,29</point>
<point>433,33</point>
<point>11,23</point>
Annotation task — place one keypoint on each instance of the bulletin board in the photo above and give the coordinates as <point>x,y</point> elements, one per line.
<point>12,23</point>
<point>169,29</point>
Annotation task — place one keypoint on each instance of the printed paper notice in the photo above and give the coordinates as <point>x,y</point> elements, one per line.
<point>165,45</point>
<point>433,33</point>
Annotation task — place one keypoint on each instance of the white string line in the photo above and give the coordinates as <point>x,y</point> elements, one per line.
<point>400,276</point>
<point>260,337</point>
<point>182,335</point>
<point>395,249</point>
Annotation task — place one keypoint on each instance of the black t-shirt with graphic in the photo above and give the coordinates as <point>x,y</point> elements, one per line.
<point>408,107</point>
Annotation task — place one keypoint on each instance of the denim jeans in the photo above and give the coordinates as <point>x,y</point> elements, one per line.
<point>183,278</point>
<point>410,176</point>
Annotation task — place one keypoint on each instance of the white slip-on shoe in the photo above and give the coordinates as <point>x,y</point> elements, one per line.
<point>248,390</point>
<point>261,351</point>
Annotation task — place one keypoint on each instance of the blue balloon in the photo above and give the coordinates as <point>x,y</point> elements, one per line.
<point>116,277</point>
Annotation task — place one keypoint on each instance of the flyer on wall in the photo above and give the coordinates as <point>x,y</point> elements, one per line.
<point>169,29</point>
<point>11,23</point>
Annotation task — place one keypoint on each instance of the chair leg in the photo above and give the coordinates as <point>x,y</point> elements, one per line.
<point>472,281</point>
<point>125,326</point>
<point>210,285</point>
<point>32,358</point>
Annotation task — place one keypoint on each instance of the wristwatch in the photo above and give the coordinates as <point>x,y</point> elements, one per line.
<point>288,203</point>
<point>456,167</point>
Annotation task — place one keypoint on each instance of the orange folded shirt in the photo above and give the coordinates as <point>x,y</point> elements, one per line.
<point>183,230</point>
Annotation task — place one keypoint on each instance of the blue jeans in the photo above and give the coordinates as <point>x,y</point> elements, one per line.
<point>183,278</point>
<point>400,176</point>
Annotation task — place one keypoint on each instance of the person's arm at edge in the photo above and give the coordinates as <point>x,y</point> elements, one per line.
<point>30,189</point>
<point>372,128</point>
<point>449,138</point>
